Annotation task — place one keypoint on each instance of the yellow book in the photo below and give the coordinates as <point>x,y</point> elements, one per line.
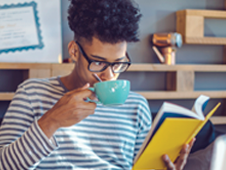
<point>173,127</point>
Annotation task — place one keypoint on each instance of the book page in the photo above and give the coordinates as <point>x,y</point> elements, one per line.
<point>200,105</point>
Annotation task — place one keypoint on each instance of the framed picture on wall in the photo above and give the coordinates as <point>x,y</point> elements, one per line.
<point>30,31</point>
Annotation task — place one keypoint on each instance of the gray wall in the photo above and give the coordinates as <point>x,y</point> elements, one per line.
<point>159,16</point>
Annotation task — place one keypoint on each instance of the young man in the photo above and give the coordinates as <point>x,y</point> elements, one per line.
<point>50,125</point>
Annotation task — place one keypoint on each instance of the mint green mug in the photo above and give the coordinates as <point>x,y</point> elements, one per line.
<point>114,92</point>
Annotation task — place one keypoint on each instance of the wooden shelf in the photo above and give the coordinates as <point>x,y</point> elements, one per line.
<point>190,24</point>
<point>218,120</point>
<point>134,67</point>
<point>179,86</point>
<point>206,40</point>
<point>180,80</point>
<point>6,96</point>
<point>178,67</point>
<point>162,95</point>
<point>155,95</point>
<point>25,66</point>
<point>221,14</point>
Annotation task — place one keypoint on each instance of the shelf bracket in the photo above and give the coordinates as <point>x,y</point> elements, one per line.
<point>180,81</point>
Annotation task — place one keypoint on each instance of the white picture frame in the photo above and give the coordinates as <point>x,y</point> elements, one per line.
<point>30,31</point>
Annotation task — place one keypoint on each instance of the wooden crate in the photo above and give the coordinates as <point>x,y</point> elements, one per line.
<point>190,24</point>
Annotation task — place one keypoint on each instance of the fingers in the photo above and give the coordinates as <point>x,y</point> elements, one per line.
<point>78,96</point>
<point>93,97</point>
<point>85,105</point>
<point>191,143</point>
<point>81,93</point>
<point>187,147</point>
<point>182,159</point>
<point>80,114</point>
<point>168,163</point>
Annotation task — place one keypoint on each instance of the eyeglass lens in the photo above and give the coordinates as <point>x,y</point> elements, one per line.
<point>100,66</point>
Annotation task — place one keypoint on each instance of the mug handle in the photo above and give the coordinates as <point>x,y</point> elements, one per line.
<point>89,100</point>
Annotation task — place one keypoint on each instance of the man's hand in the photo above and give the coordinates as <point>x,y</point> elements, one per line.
<point>181,160</point>
<point>69,110</point>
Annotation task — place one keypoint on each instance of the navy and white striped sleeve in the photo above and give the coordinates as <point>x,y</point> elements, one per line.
<point>22,143</point>
<point>145,122</point>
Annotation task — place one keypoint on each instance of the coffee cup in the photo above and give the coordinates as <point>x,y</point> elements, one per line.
<point>114,92</point>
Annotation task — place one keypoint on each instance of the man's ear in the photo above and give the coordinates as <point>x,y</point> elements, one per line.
<point>73,51</point>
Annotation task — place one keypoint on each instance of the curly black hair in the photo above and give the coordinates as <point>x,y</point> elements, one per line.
<point>110,21</point>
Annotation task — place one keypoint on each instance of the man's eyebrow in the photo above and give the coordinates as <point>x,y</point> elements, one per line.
<point>98,57</point>
<point>120,58</point>
<point>102,58</point>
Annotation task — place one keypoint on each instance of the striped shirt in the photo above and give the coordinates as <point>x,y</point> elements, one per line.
<point>109,139</point>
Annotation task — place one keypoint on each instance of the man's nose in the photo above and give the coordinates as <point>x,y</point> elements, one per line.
<point>107,74</point>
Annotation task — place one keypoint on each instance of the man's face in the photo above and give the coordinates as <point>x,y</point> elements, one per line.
<point>98,51</point>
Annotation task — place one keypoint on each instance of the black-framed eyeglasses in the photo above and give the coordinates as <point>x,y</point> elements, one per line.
<point>99,66</point>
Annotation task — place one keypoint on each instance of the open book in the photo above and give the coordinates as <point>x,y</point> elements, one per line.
<point>172,127</point>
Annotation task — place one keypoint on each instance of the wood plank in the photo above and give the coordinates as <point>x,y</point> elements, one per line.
<point>215,119</point>
<point>224,54</point>
<point>150,67</point>
<point>134,67</point>
<point>192,29</point>
<point>171,81</point>
<point>171,68</point>
<point>194,26</point>
<point>163,95</point>
<point>181,23</point>
<point>64,66</point>
<point>4,96</point>
<point>185,81</point>
<point>61,69</point>
<point>221,14</point>
<point>205,40</point>
<point>154,95</point>
<point>56,73</point>
<point>218,120</point>
<point>39,73</point>
<point>204,68</point>
<point>24,66</point>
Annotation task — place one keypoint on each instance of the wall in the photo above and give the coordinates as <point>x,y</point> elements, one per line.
<point>159,16</point>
